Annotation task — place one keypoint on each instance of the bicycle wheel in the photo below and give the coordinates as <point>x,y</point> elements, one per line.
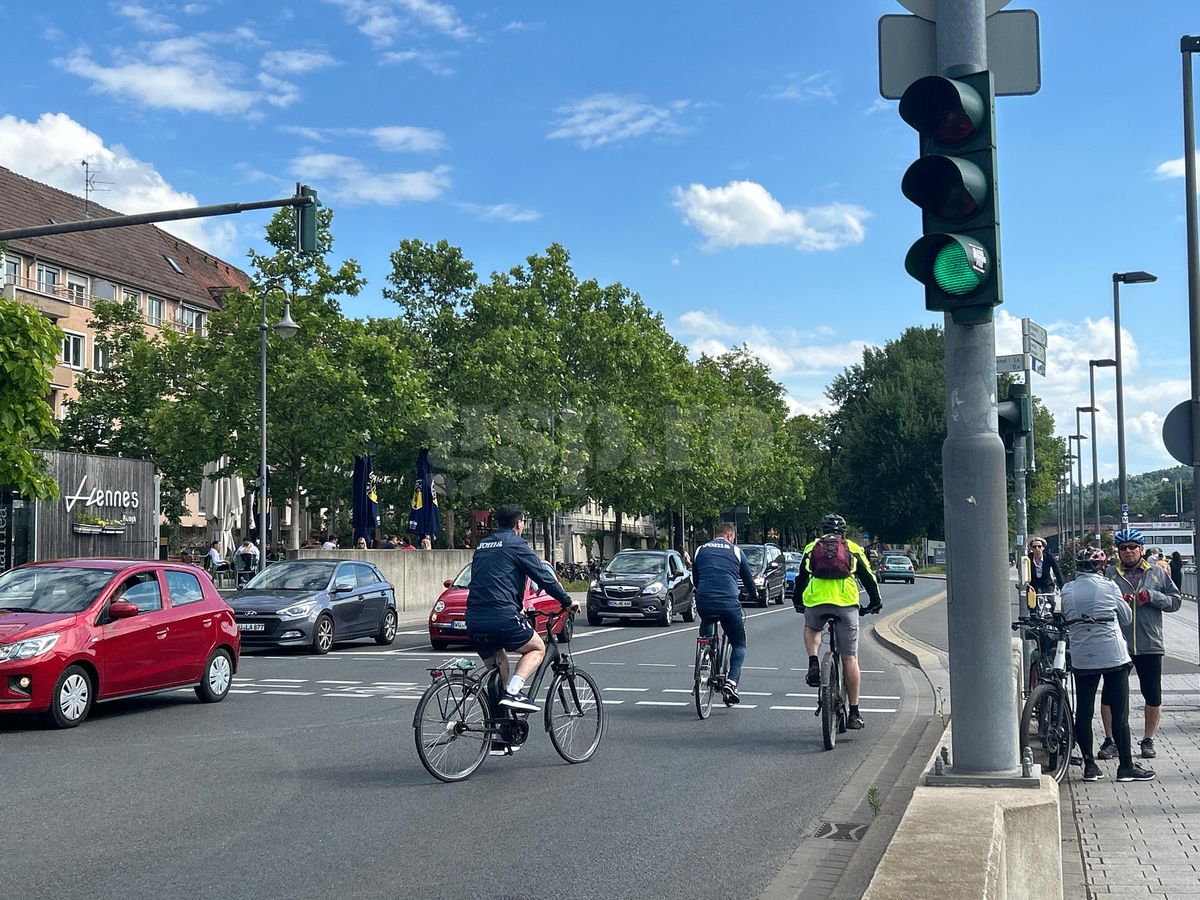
<point>828,699</point>
<point>1047,729</point>
<point>702,687</point>
<point>726,655</point>
<point>575,716</point>
<point>453,728</point>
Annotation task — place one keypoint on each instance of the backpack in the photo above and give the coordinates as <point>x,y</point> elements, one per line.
<point>830,558</point>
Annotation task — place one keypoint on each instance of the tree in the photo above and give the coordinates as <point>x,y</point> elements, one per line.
<point>29,347</point>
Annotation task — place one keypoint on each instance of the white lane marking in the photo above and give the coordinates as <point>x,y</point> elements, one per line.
<point>613,702</point>
<point>629,689</point>
<point>283,680</point>
<point>393,683</point>
<point>661,703</point>
<point>327,682</point>
<point>677,690</point>
<point>865,709</point>
<point>290,693</point>
<point>400,697</point>
<point>422,631</point>
<point>600,663</point>
<point>765,668</point>
<point>661,665</point>
<point>796,708</point>
<point>690,632</point>
<point>861,696</point>
<point>236,691</point>
<point>745,706</point>
<point>755,693</point>
<point>355,696</point>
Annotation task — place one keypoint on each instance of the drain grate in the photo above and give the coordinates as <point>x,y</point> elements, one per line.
<point>841,831</point>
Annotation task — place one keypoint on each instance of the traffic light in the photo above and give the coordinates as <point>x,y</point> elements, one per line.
<point>954,184</point>
<point>306,220</point>
<point>1015,414</point>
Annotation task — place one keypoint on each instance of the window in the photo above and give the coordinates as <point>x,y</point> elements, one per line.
<point>191,319</point>
<point>77,288</point>
<point>365,574</point>
<point>154,309</point>
<point>183,588</point>
<point>134,297</point>
<point>48,278</point>
<point>174,265</point>
<point>103,289</point>
<point>100,360</point>
<point>142,591</point>
<point>12,269</point>
<point>73,349</point>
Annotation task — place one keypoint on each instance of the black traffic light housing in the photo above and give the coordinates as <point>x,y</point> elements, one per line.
<point>306,219</point>
<point>954,184</point>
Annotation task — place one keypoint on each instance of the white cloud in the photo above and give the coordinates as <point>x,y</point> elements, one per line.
<point>702,324</point>
<point>296,62</point>
<point>877,105</point>
<point>803,88</point>
<point>429,60</point>
<point>145,19</point>
<point>351,181</point>
<point>1173,168</point>
<point>607,118</point>
<point>408,139</point>
<point>382,20</point>
<point>501,212</point>
<point>517,25</point>
<point>277,91</point>
<point>49,150</point>
<point>744,213</point>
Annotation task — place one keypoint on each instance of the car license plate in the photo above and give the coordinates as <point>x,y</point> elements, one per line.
<point>458,625</point>
<point>620,603</point>
<point>251,626</point>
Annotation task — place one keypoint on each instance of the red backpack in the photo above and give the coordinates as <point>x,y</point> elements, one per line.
<point>830,558</point>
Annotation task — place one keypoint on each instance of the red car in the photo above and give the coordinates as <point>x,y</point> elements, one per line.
<point>448,619</point>
<point>77,631</point>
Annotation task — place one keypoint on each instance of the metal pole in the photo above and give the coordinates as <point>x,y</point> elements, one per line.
<point>1079,443</point>
<point>1188,46</point>
<point>1095,463</point>
<point>1123,496</point>
<point>262,424</point>
<point>1070,492</point>
<point>982,684</point>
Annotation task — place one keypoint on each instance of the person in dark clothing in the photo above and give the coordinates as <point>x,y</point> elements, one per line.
<point>496,620</point>
<point>1176,563</point>
<point>720,565</point>
<point>1045,577</point>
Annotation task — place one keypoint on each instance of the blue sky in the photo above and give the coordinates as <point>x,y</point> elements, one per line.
<point>731,162</point>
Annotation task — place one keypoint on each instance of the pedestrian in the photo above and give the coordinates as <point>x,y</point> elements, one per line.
<point>1045,577</point>
<point>1177,569</point>
<point>405,543</point>
<point>360,544</point>
<point>330,543</point>
<point>1149,592</point>
<point>389,542</point>
<point>426,544</point>
<point>1098,650</point>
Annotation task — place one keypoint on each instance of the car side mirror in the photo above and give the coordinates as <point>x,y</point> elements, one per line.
<point>122,609</point>
<point>342,588</point>
<point>447,583</point>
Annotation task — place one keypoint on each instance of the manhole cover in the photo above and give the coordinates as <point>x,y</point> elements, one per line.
<point>841,831</point>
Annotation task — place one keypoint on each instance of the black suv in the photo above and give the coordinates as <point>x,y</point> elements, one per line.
<point>642,584</point>
<point>767,564</point>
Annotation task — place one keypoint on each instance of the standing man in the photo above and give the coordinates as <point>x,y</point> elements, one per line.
<point>827,584</point>
<point>1149,592</point>
<point>720,565</point>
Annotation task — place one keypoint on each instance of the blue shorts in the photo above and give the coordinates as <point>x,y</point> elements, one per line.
<point>490,634</point>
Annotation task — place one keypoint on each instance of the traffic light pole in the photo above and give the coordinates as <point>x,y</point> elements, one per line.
<point>982,682</point>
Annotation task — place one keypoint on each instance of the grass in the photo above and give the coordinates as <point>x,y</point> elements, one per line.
<point>576,585</point>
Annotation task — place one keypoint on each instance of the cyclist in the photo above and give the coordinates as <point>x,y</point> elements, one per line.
<point>718,567</point>
<point>817,595</point>
<point>1099,650</point>
<point>496,621</point>
<point>1150,592</point>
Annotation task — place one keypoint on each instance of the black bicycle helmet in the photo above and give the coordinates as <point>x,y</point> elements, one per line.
<point>833,523</point>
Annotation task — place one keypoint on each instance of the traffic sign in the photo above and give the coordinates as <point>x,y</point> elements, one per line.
<point>927,9</point>
<point>1035,331</point>
<point>1014,362</point>
<point>1039,366</point>
<point>1033,348</point>
<point>1177,433</point>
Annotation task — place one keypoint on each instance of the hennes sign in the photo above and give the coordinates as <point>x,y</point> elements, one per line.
<point>101,497</point>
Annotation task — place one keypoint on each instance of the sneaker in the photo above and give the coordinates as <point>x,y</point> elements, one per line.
<point>813,678</point>
<point>1147,746</point>
<point>730,693</point>
<point>519,700</point>
<point>1108,750</point>
<point>1134,773</point>
<point>1091,771</point>
<point>855,722</point>
<point>499,748</point>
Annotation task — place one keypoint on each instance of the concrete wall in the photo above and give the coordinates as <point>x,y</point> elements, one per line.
<point>417,575</point>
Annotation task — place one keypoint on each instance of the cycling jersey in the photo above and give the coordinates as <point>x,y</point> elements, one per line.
<point>836,591</point>
<point>716,571</point>
<point>499,567</point>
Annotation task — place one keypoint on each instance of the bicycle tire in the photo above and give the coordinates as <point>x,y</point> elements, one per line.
<point>579,699</point>
<point>702,687</point>
<point>827,698</point>
<point>452,728</point>
<point>726,657</point>
<point>1047,729</point>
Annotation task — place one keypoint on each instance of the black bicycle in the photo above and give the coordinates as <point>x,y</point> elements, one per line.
<point>711,670</point>
<point>459,718</point>
<point>833,706</point>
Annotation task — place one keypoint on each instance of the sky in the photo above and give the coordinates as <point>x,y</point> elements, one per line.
<point>733,163</point>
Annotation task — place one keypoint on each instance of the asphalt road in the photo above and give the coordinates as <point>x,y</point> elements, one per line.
<point>305,782</point>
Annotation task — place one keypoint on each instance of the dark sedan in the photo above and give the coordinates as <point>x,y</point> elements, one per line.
<point>766,563</point>
<point>642,584</point>
<point>314,603</point>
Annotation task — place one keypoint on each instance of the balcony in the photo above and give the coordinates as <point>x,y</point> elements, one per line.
<point>51,300</point>
<point>63,376</point>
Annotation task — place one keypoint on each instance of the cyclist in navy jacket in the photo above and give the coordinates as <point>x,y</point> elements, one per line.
<point>716,571</point>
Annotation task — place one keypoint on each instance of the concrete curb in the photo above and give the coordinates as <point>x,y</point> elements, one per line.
<point>888,632</point>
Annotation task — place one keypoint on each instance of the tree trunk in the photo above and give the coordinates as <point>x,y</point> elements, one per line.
<point>546,538</point>
<point>448,524</point>
<point>618,517</point>
<point>297,524</point>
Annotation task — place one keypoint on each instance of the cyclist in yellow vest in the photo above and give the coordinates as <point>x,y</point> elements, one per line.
<point>818,596</point>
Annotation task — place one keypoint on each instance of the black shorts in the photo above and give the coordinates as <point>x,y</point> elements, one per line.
<point>491,634</point>
<point>1149,672</point>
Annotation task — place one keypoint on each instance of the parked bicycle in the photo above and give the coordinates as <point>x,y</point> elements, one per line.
<point>833,706</point>
<point>459,716</point>
<point>711,670</point>
<point>1041,657</point>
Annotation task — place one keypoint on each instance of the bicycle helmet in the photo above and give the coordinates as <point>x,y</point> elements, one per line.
<point>1129,536</point>
<point>833,523</point>
<point>1091,559</point>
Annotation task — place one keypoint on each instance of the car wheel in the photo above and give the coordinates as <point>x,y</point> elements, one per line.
<point>667,613</point>
<point>322,639</point>
<point>387,629</point>
<point>218,676</point>
<point>439,645</point>
<point>593,618</point>
<point>72,698</point>
<point>780,599</point>
<point>689,614</point>
<point>912,581</point>
<point>766,598</point>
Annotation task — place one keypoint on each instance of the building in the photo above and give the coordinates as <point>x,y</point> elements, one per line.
<point>174,284</point>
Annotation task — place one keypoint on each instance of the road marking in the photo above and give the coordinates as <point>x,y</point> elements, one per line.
<point>861,696</point>
<point>355,696</point>
<point>677,690</point>
<point>599,663</point>
<point>613,702</point>
<point>283,680</point>
<point>864,709</point>
<point>660,665</point>
<point>392,683</point>
<point>324,682</point>
<point>289,693</point>
<point>631,690</point>
<point>661,703</point>
<point>755,693</point>
<point>400,697</point>
<point>764,668</point>
<point>677,631</point>
<point>236,691</point>
<point>745,706</point>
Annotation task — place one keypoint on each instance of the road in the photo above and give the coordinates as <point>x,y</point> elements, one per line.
<point>305,782</point>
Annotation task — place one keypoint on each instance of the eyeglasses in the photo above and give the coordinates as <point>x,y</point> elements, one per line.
<point>1124,547</point>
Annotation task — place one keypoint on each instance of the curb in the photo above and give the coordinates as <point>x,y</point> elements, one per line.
<point>889,633</point>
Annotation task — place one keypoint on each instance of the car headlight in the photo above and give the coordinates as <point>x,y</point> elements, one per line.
<point>297,610</point>
<point>759,580</point>
<point>28,648</point>
<point>593,586</point>
<point>439,606</point>
<point>655,588</point>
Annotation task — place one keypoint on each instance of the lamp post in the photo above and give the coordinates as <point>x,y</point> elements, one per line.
<point>285,328</point>
<point>1093,365</point>
<point>1078,430</point>
<point>1118,279</point>
<point>1077,502</point>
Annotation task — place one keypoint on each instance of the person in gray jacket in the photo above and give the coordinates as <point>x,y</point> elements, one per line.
<point>1098,650</point>
<point>1150,592</point>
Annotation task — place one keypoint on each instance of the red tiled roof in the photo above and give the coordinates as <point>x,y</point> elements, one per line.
<point>134,255</point>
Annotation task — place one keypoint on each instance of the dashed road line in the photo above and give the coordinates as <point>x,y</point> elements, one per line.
<point>289,693</point>
<point>661,703</point>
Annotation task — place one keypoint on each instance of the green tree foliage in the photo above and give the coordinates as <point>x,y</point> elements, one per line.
<point>29,346</point>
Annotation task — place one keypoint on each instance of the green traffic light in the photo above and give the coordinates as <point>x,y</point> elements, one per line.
<point>953,271</point>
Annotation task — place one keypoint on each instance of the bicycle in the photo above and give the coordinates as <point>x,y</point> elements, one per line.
<point>711,670</point>
<point>833,706</point>
<point>459,715</point>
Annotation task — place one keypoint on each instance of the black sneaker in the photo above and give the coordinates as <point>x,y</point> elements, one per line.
<point>730,693</point>
<point>1134,773</point>
<point>519,700</point>
<point>1108,750</point>
<point>855,722</point>
<point>1147,746</point>
<point>1091,771</point>
<point>813,678</point>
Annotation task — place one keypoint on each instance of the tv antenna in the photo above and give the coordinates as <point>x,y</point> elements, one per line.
<point>89,185</point>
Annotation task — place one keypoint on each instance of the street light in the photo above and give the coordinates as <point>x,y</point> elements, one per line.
<point>1078,457</point>
<point>1093,365</point>
<point>1118,279</point>
<point>1079,430</point>
<point>1069,496</point>
<point>285,328</point>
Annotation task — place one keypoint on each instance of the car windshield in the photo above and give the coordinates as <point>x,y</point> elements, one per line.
<point>464,578</point>
<point>52,589</point>
<point>792,561</point>
<point>636,564</point>
<point>898,561</point>
<point>754,555</point>
<point>296,575</point>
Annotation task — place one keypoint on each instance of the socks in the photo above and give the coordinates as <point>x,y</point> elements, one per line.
<point>854,709</point>
<point>515,684</point>
<point>812,662</point>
